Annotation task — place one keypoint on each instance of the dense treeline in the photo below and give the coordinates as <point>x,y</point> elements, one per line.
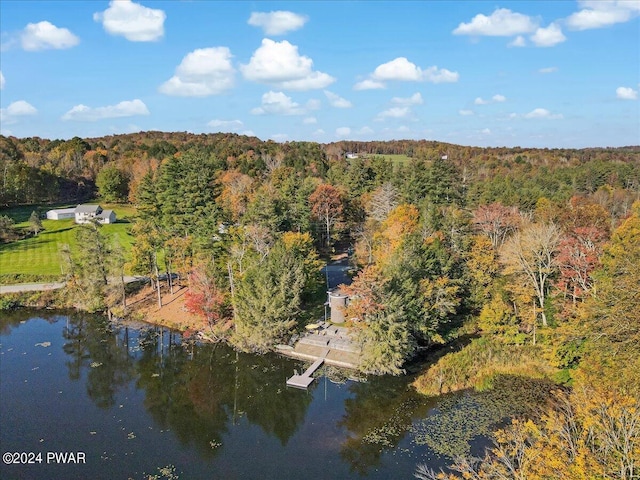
<point>36,170</point>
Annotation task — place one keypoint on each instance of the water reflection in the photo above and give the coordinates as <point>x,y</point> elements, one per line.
<point>95,345</point>
<point>193,390</point>
<point>152,398</point>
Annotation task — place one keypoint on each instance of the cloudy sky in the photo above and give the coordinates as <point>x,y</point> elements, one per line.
<point>538,73</point>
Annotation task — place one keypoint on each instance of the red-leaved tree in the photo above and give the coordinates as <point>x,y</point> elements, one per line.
<point>206,298</point>
<point>578,256</point>
<point>496,222</point>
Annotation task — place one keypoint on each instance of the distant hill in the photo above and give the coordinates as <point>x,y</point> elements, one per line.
<point>37,170</point>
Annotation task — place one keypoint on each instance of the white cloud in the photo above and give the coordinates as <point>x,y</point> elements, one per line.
<point>127,108</point>
<point>45,35</point>
<point>626,93</point>
<point>319,132</point>
<point>132,20</point>
<point>277,23</point>
<point>310,121</point>
<point>548,37</point>
<point>1,80</point>
<point>280,64</point>
<point>486,131</point>
<point>248,133</point>
<point>337,101</point>
<point>497,98</point>
<point>15,110</point>
<point>401,69</point>
<point>277,103</point>
<point>519,41</point>
<point>203,72</point>
<point>442,75</point>
<point>501,23</point>
<point>368,84</point>
<point>394,112</point>
<point>548,70</point>
<point>542,113</point>
<point>600,14</point>
<point>343,132</point>
<point>279,137</point>
<point>465,113</point>
<point>415,99</point>
<point>398,69</point>
<point>365,131</point>
<point>226,125</point>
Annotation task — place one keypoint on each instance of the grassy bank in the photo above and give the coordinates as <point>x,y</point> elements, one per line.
<point>41,299</point>
<point>479,363</point>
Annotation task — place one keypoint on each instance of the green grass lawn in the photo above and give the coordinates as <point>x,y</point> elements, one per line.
<point>395,159</point>
<point>41,255</point>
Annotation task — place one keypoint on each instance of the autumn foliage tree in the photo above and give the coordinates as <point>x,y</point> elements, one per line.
<point>400,222</point>
<point>578,256</point>
<point>496,221</point>
<point>206,298</point>
<point>327,206</point>
<point>236,191</point>
<point>531,253</point>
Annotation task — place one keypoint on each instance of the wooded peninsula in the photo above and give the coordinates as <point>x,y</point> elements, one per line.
<point>490,262</point>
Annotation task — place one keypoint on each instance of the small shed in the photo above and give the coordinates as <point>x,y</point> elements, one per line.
<point>338,301</point>
<point>61,213</point>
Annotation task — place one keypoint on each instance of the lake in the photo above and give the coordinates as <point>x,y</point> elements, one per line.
<point>134,402</point>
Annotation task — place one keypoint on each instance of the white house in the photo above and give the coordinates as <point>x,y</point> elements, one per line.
<point>61,213</point>
<point>86,213</point>
<point>83,214</point>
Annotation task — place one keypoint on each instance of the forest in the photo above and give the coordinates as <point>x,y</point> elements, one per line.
<point>512,261</point>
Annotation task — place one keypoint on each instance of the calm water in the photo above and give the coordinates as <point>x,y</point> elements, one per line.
<point>134,401</point>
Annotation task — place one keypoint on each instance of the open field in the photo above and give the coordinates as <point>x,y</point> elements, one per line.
<point>395,159</point>
<point>41,255</point>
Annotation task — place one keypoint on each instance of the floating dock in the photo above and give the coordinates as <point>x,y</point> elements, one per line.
<point>304,380</point>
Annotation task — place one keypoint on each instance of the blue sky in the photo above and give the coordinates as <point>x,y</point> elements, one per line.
<point>530,74</point>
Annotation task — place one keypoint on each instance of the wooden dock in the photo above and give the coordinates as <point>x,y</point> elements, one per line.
<point>304,380</point>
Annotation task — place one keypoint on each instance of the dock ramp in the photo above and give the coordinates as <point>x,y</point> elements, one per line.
<point>304,380</point>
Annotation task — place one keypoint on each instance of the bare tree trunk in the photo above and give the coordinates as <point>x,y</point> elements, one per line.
<point>124,292</point>
<point>155,264</point>
<point>542,314</point>
<point>167,261</point>
<point>232,287</point>
<point>328,222</point>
